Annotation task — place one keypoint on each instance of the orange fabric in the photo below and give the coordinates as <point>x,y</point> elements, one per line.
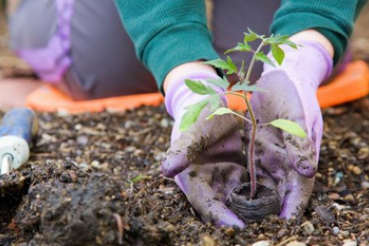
<point>50,99</point>
<point>351,84</point>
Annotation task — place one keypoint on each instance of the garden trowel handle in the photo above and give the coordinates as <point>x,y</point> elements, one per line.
<point>17,129</point>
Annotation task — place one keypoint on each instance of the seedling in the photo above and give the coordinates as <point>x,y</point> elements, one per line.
<point>241,89</point>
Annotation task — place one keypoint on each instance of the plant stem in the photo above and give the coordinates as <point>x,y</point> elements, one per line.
<point>251,150</point>
<point>244,98</point>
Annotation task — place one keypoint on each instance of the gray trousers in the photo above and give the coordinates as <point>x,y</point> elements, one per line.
<point>104,63</point>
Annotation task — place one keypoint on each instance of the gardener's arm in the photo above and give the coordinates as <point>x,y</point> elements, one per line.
<point>334,19</point>
<point>167,33</point>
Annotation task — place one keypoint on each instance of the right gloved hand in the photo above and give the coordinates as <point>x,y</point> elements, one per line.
<point>284,161</point>
<point>207,159</point>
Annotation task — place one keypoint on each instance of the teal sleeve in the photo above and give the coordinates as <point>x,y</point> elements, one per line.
<point>167,33</point>
<point>334,19</point>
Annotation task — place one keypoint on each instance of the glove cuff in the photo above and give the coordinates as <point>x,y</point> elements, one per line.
<point>178,95</point>
<point>310,63</point>
<point>323,54</point>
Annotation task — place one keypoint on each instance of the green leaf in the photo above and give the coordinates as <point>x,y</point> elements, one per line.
<point>289,126</point>
<point>232,66</point>
<point>246,87</point>
<point>228,65</point>
<point>291,44</point>
<point>277,53</point>
<point>279,40</point>
<point>262,57</point>
<point>251,36</point>
<point>193,112</point>
<point>138,178</point>
<point>218,63</point>
<point>214,102</point>
<point>221,82</point>
<point>240,47</point>
<point>199,88</point>
<point>220,111</point>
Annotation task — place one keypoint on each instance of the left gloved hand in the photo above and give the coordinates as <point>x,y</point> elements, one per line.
<point>285,161</point>
<point>206,160</point>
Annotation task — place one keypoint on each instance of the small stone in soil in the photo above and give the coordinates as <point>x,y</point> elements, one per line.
<point>261,243</point>
<point>345,234</point>
<point>349,198</point>
<point>334,196</point>
<point>357,170</point>
<point>349,243</point>
<point>82,140</point>
<point>308,227</point>
<point>208,241</point>
<point>326,214</point>
<point>296,243</point>
<point>365,185</point>
<point>229,232</point>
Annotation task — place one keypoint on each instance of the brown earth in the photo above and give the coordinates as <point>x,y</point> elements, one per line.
<point>94,179</point>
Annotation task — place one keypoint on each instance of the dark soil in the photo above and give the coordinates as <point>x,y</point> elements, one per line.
<point>94,179</point>
<point>266,202</point>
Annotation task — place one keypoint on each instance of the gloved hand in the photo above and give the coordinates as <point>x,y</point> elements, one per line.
<point>205,159</point>
<point>285,161</point>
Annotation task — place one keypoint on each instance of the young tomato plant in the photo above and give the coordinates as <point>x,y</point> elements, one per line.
<point>240,89</point>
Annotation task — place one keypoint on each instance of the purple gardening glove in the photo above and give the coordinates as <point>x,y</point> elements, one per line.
<point>205,159</point>
<point>285,161</point>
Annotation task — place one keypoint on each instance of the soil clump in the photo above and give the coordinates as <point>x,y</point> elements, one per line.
<point>266,202</point>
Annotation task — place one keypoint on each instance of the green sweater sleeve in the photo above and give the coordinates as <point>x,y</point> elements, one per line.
<point>167,33</point>
<point>334,19</point>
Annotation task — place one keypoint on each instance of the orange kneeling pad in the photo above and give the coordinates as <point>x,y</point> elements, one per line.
<point>349,85</point>
<point>50,99</point>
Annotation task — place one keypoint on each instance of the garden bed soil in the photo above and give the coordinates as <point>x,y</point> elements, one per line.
<point>94,179</point>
